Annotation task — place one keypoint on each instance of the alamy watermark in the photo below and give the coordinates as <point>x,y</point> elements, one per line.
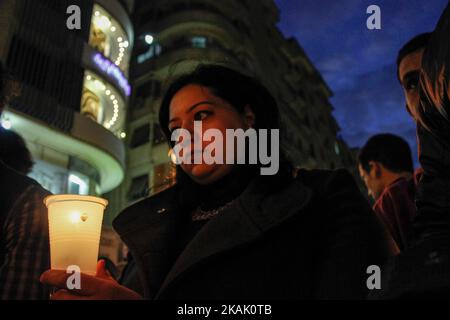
<point>374,280</point>
<point>74,280</point>
<point>235,140</point>
<point>373,22</point>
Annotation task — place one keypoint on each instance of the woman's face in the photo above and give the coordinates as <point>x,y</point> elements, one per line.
<point>197,103</point>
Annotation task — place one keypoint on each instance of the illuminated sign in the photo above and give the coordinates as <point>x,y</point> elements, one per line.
<point>113,71</point>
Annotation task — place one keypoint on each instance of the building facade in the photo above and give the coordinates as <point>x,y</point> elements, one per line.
<point>90,97</point>
<point>74,92</point>
<point>173,36</point>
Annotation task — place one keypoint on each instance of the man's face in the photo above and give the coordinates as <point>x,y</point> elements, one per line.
<point>409,72</point>
<point>373,182</point>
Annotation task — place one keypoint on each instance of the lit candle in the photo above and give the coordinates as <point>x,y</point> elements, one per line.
<point>75,224</point>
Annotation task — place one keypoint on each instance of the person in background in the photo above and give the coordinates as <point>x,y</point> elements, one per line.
<point>409,62</point>
<point>14,152</point>
<point>24,245</point>
<point>386,166</point>
<point>433,130</point>
<point>423,270</point>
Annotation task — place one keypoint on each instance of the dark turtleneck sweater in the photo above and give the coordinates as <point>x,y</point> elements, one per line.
<point>213,196</point>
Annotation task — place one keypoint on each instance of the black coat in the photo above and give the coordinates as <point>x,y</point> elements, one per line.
<point>12,185</point>
<point>312,237</point>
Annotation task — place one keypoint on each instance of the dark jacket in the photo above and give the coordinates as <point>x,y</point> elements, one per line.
<point>12,185</point>
<point>433,132</point>
<point>24,245</point>
<point>311,237</point>
<point>396,209</point>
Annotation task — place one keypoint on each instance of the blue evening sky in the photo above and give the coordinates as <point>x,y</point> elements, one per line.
<point>359,64</point>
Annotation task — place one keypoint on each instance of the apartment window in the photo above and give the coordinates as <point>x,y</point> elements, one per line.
<point>78,184</point>
<point>307,122</point>
<point>241,26</point>
<point>299,144</point>
<point>336,148</point>
<point>149,88</point>
<point>158,136</point>
<point>312,151</point>
<point>140,136</point>
<point>199,42</point>
<point>156,89</point>
<point>153,50</point>
<point>138,188</point>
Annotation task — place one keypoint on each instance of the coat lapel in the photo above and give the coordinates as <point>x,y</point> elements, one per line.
<point>257,210</point>
<point>148,228</point>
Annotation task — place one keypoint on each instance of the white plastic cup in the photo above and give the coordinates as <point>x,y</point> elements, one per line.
<point>75,224</point>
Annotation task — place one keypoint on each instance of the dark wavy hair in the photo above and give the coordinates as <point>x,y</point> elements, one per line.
<point>420,41</point>
<point>232,86</point>
<point>239,90</point>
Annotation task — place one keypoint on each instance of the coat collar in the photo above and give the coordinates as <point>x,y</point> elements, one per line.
<point>149,226</point>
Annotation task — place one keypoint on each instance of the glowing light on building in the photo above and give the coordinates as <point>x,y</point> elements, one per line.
<point>6,124</point>
<point>102,22</point>
<point>113,71</point>
<point>149,39</point>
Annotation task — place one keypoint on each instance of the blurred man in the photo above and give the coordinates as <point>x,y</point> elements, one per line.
<point>409,62</point>
<point>386,166</point>
<point>24,246</point>
<point>423,271</point>
<point>433,130</point>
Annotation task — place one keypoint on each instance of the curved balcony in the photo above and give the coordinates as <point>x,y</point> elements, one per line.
<point>198,19</point>
<point>172,56</point>
<point>83,139</point>
<point>101,65</point>
<point>119,13</point>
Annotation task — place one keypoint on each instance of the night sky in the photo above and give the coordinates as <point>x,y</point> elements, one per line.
<point>359,64</point>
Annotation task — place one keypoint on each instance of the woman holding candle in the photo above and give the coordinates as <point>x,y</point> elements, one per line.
<point>224,231</point>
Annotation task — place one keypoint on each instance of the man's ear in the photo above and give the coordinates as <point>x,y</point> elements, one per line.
<point>375,169</point>
<point>249,116</point>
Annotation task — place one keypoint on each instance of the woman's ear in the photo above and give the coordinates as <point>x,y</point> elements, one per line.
<point>249,116</point>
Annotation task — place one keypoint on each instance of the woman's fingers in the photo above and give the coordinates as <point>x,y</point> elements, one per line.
<point>102,272</point>
<point>55,278</point>
<point>102,287</point>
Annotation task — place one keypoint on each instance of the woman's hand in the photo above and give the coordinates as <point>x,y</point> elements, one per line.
<point>100,287</point>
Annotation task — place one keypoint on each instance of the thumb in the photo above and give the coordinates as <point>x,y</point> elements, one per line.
<point>101,270</point>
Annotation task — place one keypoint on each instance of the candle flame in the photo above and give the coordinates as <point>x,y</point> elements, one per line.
<point>75,217</point>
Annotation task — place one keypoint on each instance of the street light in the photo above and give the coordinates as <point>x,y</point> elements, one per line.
<point>6,124</point>
<point>149,39</point>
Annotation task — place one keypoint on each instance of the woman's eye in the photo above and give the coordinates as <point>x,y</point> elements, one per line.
<point>199,116</point>
<point>411,85</point>
<point>412,81</point>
